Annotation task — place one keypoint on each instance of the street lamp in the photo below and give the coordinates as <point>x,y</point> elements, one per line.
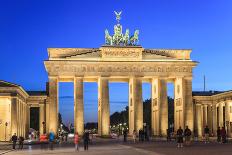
<point>5,129</point>
<point>43,127</point>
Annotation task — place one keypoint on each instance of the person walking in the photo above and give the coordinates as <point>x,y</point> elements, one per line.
<point>179,134</point>
<point>51,140</point>
<point>21,141</point>
<point>86,140</point>
<point>134,136</point>
<point>14,139</point>
<point>187,134</point>
<point>223,135</point>
<point>125,135</point>
<point>168,134</point>
<point>218,135</point>
<point>206,132</point>
<point>76,141</point>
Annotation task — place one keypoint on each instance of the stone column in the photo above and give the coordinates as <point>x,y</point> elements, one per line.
<point>78,106</point>
<point>179,107</point>
<point>199,120</point>
<point>24,122</point>
<point>188,104</point>
<point>221,115</point>
<point>210,118</point>
<point>41,117</point>
<point>227,116</point>
<point>163,107</point>
<point>27,119</point>
<point>204,116</point>
<point>103,107</point>
<point>53,104</point>
<point>47,115</point>
<point>20,118</point>
<point>155,106</point>
<point>214,118</point>
<point>14,122</point>
<point>135,105</point>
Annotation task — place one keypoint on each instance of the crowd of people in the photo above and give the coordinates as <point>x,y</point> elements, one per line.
<point>182,136</point>
<point>186,135</point>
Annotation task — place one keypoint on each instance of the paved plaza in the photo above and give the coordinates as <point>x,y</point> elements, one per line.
<point>114,147</point>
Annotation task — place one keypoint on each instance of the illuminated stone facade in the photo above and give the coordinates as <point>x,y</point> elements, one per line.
<point>213,109</point>
<point>15,105</point>
<point>131,64</point>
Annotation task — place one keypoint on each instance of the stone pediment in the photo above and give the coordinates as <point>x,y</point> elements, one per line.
<point>118,53</point>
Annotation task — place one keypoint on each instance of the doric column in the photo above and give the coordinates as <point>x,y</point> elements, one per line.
<point>199,119</point>
<point>214,118</point>
<point>205,116</point>
<point>20,118</point>
<point>188,104</point>
<point>210,118</point>
<point>24,122</point>
<point>163,106</point>
<point>14,122</point>
<point>53,104</point>
<point>41,117</point>
<point>227,116</point>
<point>179,106</point>
<point>27,119</point>
<point>103,107</point>
<point>135,105</point>
<point>155,106</point>
<point>78,106</point>
<point>221,114</point>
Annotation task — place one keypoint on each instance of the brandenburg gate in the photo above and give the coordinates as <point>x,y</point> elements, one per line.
<point>121,59</point>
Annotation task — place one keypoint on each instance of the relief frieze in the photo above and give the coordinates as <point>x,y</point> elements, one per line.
<point>118,68</point>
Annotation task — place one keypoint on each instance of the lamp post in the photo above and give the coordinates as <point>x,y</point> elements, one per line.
<point>43,123</point>
<point>5,129</point>
<point>227,128</point>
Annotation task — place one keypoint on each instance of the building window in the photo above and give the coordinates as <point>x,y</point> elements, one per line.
<point>230,109</point>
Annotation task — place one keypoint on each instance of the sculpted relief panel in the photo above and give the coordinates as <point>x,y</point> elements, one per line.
<point>110,68</point>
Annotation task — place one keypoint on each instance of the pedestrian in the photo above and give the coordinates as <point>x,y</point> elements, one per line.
<point>51,140</point>
<point>14,139</point>
<point>168,134</point>
<point>195,132</point>
<point>134,136</point>
<point>125,135</point>
<point>206,132</point>
<point>218,135</point>
<point>86,140</point>
<point>76,141</point>
<point>223,135</point>
<point>179,137</point>
<point>187,134</point>
<point>140,135</point>
<point>21,141</point>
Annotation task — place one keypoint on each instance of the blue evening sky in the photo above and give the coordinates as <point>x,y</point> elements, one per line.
<point>29,27</point>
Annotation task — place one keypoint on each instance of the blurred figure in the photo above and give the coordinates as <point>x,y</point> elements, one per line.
<point>223,135</point>
<point>206,132</point>
<point>134,136</point>
<point>168,134</point>
<point>179,134</point>
<point>14,139</point>
<point>86,140</point>
<point>125,135</point>
<point>187,134</point>
<point>76,141</point>
<point>21,141</point>
<point>51,140</point>
<point>218,135</point>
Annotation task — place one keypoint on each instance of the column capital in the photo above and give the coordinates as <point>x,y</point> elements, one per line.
<point>52,77</point>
